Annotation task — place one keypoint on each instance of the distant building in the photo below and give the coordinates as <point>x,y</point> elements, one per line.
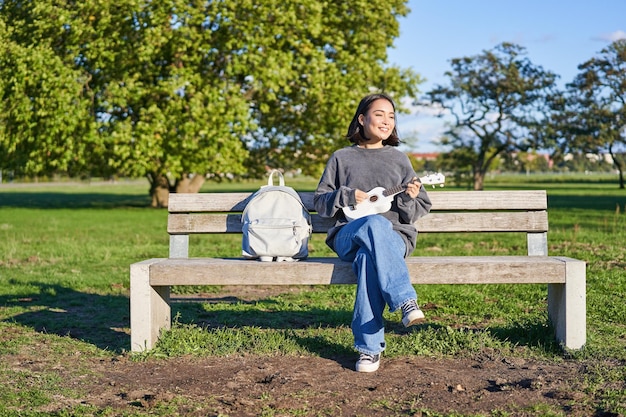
<point>428,156</point>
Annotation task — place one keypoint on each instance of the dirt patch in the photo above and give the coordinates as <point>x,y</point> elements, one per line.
<point>313,386</point>
<point>245,386</point>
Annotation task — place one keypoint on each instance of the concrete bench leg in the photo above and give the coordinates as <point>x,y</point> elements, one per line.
<point>567,306</point>
<point>149,307</point>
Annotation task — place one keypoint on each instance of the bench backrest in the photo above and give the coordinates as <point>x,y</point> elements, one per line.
<point>452,212</point>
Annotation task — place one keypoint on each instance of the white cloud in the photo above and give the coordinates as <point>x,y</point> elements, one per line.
<point>612,36</point>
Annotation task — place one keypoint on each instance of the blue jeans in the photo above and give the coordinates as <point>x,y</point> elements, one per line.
<point>377,255</point>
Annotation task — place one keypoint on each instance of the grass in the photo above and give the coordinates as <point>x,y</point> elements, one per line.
<point>64,285</point>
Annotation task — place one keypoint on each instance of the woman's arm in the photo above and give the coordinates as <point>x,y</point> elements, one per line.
<point>331,196</point>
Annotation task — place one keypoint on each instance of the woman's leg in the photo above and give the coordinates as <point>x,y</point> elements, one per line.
<point>377,255</point>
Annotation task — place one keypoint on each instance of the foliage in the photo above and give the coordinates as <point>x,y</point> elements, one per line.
<point>45,113</point>
<point>597,106</point>
<point>495,98</point>
<point>168,88</point>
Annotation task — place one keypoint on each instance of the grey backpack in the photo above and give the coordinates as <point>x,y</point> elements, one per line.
<point>276,225</point>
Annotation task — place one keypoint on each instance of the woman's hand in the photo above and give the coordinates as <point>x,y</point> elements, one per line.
<point>413,188</point>
<point>360,196</point>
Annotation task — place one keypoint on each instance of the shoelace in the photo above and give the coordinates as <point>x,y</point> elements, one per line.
<point>408,307</point>
<point>367,357</point>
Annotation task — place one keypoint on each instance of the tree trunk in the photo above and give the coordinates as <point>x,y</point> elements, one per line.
<point>161,187</point>
<point>189,183</point>
<point>479,180</point>
<point>620,171</point>
<point>618,165</point>
<point>159,190</point>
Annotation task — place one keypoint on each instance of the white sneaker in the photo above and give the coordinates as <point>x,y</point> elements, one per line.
<point>367,362</point>
<point>411,313</point>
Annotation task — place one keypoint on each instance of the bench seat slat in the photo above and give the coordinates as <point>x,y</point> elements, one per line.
<point>318,271</point>
<point>442,200</point>
<point>532,221</point>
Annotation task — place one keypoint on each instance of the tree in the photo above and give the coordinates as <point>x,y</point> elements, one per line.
<point>45,112</point>
<point>179,88</point>
<point>596,106</point>
<point>330,54</point>
<point>495,99</point>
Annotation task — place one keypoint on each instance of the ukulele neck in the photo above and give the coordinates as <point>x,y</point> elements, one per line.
<point>393,190</point>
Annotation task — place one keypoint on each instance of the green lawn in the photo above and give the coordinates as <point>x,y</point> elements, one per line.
<point>65,252</point>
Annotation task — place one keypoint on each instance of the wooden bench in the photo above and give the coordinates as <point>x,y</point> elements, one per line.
<point>452,212</point>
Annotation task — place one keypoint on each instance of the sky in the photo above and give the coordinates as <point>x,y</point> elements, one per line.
<point>558,35</point>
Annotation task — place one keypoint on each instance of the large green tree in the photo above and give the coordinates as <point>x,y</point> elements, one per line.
<point>596,105</point>
<point>495,99</point>
<point>177,90</point>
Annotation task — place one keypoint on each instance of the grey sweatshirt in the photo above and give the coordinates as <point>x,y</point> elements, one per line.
<point>354,168</point>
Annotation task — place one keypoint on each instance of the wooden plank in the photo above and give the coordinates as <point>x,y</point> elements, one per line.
<point>489,200</point>
<point>442,200</point>
<point>210,202</point>
<point>533,221</point>
<point>321,271</point>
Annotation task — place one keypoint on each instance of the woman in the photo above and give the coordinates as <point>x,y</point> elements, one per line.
<point>375,244</point>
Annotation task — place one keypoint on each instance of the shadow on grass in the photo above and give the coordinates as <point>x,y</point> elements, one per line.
<point>530,333</point>
<point>56,200</point>
<point>101,320</point>
<point>595,202</point>
<point>264,317</point>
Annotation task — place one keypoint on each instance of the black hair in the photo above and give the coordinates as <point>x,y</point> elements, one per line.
<point>355,130</point>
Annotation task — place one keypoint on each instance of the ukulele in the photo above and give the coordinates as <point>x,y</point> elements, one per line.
<point>379,199</point>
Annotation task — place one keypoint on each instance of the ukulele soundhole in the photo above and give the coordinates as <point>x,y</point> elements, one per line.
<point>373,198</point>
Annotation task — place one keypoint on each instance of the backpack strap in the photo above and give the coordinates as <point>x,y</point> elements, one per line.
<point>281,179</point>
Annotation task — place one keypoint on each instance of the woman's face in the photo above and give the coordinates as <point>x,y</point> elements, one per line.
<point>379,120</point>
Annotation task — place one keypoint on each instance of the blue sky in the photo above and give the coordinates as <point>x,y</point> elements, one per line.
<point>557,34</point>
